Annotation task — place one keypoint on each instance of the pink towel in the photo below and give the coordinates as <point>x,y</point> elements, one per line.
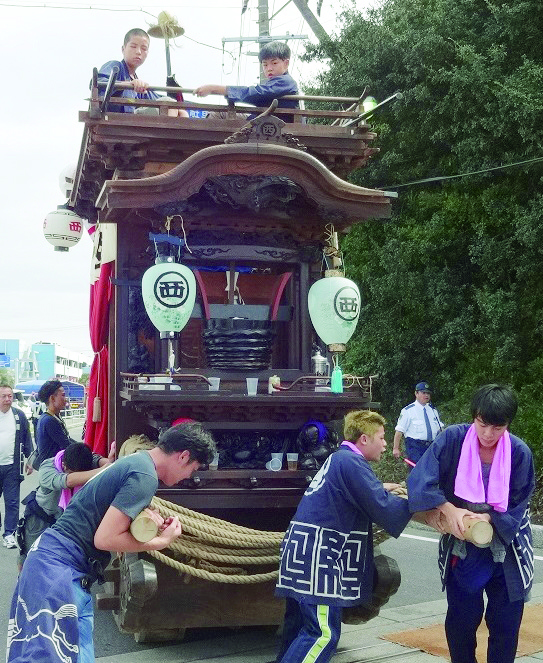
<point>469,480</point>
<point>67,493</point>
<point>352,447</point>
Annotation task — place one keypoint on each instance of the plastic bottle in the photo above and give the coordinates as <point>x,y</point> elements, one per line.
<point>337,380</point>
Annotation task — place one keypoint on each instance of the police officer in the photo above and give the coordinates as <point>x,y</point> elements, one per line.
<point>419,423</point>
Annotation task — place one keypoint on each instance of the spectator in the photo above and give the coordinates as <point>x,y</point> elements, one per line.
<point>15,445</point>
<point>51,433</point>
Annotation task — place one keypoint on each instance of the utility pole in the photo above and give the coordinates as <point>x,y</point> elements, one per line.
<point>312,21</point>
<point>263,27</point>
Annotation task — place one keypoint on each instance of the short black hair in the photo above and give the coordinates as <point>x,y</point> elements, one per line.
<point>191,437</point>
<point>135,32</point>
<point>274,49</point>
<point>495,404</point>
<point>77,457</point>
<point>48,389</point>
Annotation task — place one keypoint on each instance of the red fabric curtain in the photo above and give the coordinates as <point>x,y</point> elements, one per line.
<point>100,295</point>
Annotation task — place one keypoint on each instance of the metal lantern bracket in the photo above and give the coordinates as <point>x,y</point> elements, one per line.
<point>168,240</point>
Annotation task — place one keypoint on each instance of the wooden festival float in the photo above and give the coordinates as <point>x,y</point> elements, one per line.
<point>251,212</point>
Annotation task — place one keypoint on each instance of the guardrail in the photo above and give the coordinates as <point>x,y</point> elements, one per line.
<point>76,413</point>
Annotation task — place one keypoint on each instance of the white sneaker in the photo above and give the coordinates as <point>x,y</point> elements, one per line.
<point>9,541</point>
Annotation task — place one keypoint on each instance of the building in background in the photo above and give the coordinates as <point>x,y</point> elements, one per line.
<point>9,352</point>
<point>54,361</point>
<point>43,361</point>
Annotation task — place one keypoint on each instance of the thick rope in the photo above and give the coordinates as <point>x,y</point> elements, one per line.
<point>232,544</point>
<point>207,539</point>
<point>214,577</point>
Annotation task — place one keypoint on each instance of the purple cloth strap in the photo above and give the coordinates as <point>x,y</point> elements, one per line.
<point>469,484</point>
<point>67,493</point>
<point>352,447</point>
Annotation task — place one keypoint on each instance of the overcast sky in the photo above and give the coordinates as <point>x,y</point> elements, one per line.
<point>47,55</point>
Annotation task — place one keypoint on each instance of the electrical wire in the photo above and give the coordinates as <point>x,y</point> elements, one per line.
<point>468,174</point>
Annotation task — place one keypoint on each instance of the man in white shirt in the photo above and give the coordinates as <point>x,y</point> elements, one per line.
<point>15,444</point>
<point>419,423</point>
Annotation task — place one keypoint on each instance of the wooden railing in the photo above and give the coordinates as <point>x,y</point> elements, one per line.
<point>353,115</point>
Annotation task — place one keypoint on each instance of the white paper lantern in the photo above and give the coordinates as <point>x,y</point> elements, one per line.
<point>169,293</point>
<point>62,228</point>
<point>334,307</point>
<point>66,179</point>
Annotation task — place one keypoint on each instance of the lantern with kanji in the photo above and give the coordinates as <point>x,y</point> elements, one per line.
<point>63,228</point>
<point>334,307</point>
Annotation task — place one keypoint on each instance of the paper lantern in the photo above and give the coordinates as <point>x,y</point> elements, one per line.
<point>369,104</point>
<point>62,228</point>
<point>334,307</point>
<point>66,179</point>
<point>169,293</point>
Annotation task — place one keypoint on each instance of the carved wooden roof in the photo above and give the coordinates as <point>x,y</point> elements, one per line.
<point>233,185</point>
<point>130,145</point>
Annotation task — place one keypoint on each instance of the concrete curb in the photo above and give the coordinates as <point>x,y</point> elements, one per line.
<point>537,532</point>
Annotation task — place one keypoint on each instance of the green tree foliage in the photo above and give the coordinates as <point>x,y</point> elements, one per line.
<point>7,376</point>
<point>452,283</point>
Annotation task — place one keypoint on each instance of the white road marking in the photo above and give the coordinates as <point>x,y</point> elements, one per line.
<point>427,538</point>
<point>419,538</point>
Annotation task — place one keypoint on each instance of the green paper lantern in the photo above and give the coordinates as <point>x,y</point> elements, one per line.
<point>334,307</point>
<point>169,293</point>
<point>369,104</point>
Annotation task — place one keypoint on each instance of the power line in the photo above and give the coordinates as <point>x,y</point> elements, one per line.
<point>116,9</point>
<point>453,177</point>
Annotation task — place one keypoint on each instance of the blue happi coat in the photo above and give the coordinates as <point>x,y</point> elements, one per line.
<point>43,620</point>
<point>123,75</point>
<point>327,552</point>
<point>431,483</point>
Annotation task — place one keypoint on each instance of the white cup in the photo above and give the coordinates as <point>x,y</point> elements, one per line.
<point>215,384</point>
<point>252,386</point>
<point>215,462</point>
<point>275,464</point>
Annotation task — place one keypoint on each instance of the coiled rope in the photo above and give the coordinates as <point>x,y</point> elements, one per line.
<point>231,547</point>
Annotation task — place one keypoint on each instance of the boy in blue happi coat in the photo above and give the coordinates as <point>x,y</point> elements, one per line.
<point>327,553</point>
<point>135,50</point>
<point>274,57</point>
<point>482,471</point>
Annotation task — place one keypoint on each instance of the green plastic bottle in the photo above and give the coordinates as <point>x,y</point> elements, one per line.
<point>337,380</point>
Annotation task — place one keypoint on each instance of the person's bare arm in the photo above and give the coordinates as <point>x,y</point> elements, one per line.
<point>452,518</point>
<point>205,90</point>
<point>139,86</point>
<point>396,447</point>
<point>113,534</point>
<point>80,478</point>
<point>432,518</point>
